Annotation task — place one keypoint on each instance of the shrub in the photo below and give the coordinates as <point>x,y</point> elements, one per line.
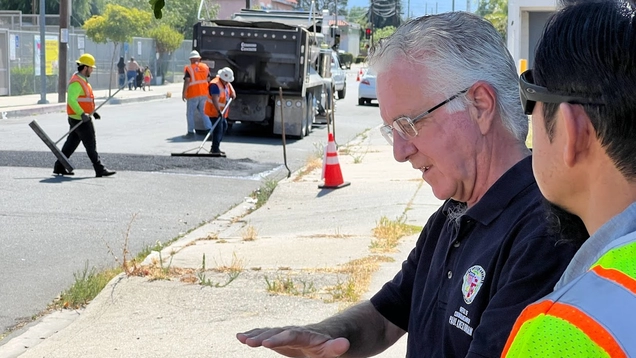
<point>24,81</point>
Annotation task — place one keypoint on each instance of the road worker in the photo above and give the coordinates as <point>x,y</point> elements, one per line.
<point>80,106</point>
<point>220,91</point>
<point>195,89</point>
<point>581,97</point>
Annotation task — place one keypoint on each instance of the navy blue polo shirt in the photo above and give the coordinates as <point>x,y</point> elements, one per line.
<point>466,281</point>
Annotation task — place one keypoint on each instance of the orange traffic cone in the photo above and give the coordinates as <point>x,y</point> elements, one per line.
<point>331,168</point>
<point>358,77</point>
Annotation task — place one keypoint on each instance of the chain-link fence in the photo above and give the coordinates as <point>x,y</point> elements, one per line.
<point>18,49</point>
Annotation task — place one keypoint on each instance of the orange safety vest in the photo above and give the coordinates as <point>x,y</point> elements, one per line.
<point>209,108</point>
<point>86,101</point>
<point>198,85</point>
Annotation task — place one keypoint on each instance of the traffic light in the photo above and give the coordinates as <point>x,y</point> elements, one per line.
<point>367,33</point>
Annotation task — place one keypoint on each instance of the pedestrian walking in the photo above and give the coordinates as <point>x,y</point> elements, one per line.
<point>147,78</point>
<point>195,91</point>
<point>121,72</point>
<point>80,106</point>
<point>131,72</point>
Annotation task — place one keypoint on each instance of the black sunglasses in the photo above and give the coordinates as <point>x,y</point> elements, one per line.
<point>531,94</point>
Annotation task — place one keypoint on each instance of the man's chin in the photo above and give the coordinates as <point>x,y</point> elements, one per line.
<point>567,226</point>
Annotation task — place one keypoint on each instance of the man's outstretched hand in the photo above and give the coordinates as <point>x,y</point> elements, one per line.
<point>295,342</point>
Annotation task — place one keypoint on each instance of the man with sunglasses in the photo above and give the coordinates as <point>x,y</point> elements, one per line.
<point>450,104</point>
<point>581,96</point>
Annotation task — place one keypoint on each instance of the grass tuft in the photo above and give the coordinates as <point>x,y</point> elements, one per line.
<point>359,273</point>
<point>262,194</point>
<point>389,232</point>
<point>249,233</point>
<point>285,285</point>
<point>88,284</point>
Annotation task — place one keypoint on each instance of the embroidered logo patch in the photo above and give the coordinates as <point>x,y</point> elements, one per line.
<point>473,279</point>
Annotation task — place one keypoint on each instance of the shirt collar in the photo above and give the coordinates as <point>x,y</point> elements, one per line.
<point>598,244</point>
<point>502,192</point>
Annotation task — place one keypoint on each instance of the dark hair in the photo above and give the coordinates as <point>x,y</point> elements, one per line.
<point>589,48</point>
<point>80,67</point>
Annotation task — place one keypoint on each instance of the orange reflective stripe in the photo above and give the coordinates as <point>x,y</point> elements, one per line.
<point>597,333</point>
<point>616,276</point>
<point>530,312</point>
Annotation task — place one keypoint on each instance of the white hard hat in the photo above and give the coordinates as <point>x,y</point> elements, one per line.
<point>226,74</point>
<point>194,54</point>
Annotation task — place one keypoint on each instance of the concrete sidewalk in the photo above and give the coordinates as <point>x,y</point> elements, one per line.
<point>27,105</point>
<point>302,235</point>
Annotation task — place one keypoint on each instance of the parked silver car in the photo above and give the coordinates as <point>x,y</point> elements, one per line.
<point>338,76</point>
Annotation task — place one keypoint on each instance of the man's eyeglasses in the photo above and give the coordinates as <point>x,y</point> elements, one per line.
<point>405,126</point>
<point>531,94</point>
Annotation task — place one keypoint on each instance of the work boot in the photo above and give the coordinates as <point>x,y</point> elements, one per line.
<point>60,170</point>
<point>104,173</point>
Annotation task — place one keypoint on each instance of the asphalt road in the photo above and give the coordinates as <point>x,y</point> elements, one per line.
<point>52,227</point>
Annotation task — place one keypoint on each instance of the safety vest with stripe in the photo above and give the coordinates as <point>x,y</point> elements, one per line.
<point>86,101</point>
<point>592,316</point>
<point>198,85</point>
<point>226,91</point>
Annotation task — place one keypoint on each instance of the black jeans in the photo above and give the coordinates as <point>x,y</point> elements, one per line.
<point>85,134</point>
<point>218,133</point>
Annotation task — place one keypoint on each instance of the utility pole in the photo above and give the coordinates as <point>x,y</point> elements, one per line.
<point>336,23</point>
<point>453,9</point>
<point>42,55</point>
<point>247,4</point>
<point>372,27</point>
<point>63,51</point>
<point>467,5</point>
<point>408,11</point>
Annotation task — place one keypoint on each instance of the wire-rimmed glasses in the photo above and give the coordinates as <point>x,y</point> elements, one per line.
<point>405,126</point>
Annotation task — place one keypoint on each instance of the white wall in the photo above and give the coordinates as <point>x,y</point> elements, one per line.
<point>518,25</point>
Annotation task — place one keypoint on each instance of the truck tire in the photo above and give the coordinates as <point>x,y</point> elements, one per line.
<point>343,92</point>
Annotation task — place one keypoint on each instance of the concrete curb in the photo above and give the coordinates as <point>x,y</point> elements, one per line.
<point>60,107</point>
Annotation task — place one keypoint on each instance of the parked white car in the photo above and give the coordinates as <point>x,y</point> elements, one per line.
<point>338,76</point>
<point>366,88</point>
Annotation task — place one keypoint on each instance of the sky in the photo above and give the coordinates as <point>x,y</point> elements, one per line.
<point>423,7</point>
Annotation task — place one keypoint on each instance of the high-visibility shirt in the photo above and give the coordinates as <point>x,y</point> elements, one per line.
<point>198,85</point>
<point>592,316</point>
<point>80,98</point>
<point>226,92</point>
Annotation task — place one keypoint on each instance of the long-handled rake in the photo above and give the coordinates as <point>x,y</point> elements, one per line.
<point>209,152</point>
<point>53,145</point>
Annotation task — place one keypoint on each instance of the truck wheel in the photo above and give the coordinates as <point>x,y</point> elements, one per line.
<point>361,101</point>
<point>343,92</point>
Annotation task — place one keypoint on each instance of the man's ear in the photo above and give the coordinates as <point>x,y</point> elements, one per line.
<point>483,100</point>
<point>578,131</point>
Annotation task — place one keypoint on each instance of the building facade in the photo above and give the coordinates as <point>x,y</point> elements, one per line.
<point>526,20</point>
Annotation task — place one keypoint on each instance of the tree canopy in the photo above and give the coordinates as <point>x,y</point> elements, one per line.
<point>495,11</point>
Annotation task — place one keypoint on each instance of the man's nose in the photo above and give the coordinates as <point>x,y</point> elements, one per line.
<point>402,148</point>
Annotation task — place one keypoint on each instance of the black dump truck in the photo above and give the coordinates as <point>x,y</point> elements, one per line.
<point>268,51</point>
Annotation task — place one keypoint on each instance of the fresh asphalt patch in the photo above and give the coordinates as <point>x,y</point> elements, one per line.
<point>226,167</point>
